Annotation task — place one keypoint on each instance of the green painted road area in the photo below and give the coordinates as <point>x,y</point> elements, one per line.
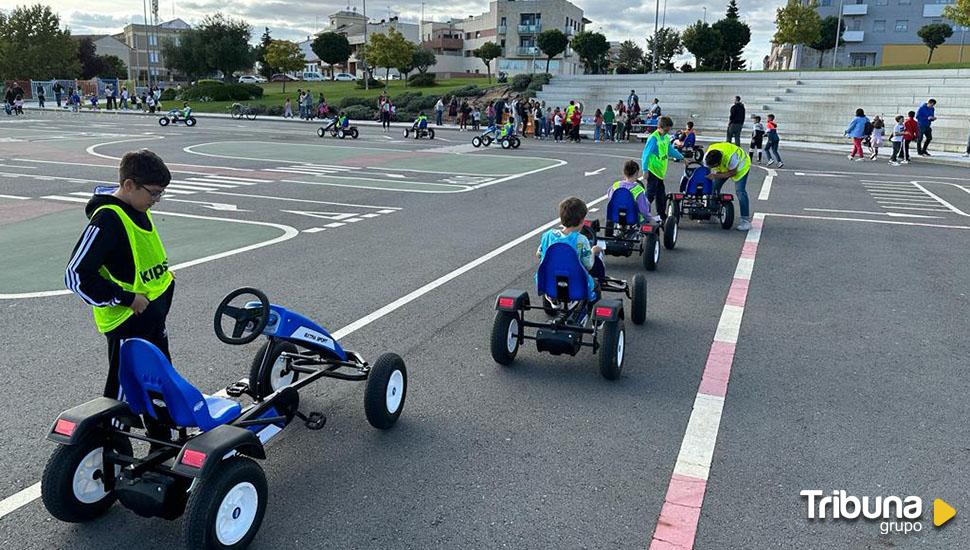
<point>356,157</point>
<point>35,251</point>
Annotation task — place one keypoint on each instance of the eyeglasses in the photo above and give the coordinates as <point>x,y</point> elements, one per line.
<point>157,195</point>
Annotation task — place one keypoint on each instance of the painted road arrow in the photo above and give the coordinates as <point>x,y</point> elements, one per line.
<point>594,172</point>
<point>220,206</point>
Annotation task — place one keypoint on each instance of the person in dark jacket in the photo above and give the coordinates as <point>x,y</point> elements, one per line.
<point>119,266</point>
<point>736,122</point>
<point>925,116</point>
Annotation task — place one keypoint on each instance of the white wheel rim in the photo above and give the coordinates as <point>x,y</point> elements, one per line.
<point>88,483</point>
<point>395,391</point>
<point>619,349</point>
<point>278,379</point>
<point>512,339</point>
<point>236,513</point>
<point>656,251</point>
<point>674,232</point>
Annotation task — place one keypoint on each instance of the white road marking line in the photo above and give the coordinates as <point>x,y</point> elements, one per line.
<point>236,179</point>
<point>351,220</point>
<point>455,188</point>
<point>766,186</point>
<point>179,191</point>
<point>369,215</point>
<point>913,202</point>
<point>594,172</point>
<point>863,220</point>
<point>818,175</point>
<point>941,200</point>
<point>387,209</point>
<point>193,181</point>
<point>315,230</point>
<point>697,449</point>
<point>19,499</point>
<point>63,198</point>
<point>198,188</point>
<point>14,197</point>
<point>301,172</point>
<point>890,214</point>
<point>396,176</point>
<point>335,224</point>
<point>935,209</point>
<point>220,206</point>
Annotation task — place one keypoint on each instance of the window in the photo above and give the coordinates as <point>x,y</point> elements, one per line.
<point>152,40</point>
<point>478,34</point>
<point>526,42</point>
<point>902,25</point>
<point>502,24</point>
<point>153,57</point>
<point>879,25</point>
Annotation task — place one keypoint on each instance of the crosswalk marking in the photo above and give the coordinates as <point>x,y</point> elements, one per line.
<point>207,183</point>
<point>237,179</point>
<point>190,187</point>
<point>63,198</point>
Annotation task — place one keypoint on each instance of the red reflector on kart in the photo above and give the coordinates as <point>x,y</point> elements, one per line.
<point>678,196</point>
<point>506,303</point>
<point>727,197</point>
<point>587,223</point>
<point>646,228</point>
<point>192,458</point>
<point>603,312</point>
<point>64,427</point>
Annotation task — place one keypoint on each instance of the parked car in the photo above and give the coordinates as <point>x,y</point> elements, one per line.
<point>344,77</point>
<point>280,77</point>
<point>251,79</point>
<point>312,77</point>
<point>389,77</point>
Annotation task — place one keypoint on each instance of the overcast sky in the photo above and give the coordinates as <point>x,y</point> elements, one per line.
<point>295,19</point>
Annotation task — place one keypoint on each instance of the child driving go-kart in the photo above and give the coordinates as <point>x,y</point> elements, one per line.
<point>175,116</point>
<point>507,138</point>
<point>420,128</point>
<point>338,127</point>
<point>486,138</point>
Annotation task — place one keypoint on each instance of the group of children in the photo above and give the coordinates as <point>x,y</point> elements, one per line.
<point>760,133</point>
<point>872,133</point>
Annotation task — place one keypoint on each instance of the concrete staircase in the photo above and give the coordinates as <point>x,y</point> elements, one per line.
<point>808,106</point>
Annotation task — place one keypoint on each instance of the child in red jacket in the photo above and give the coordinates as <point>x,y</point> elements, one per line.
<point>910,129</point>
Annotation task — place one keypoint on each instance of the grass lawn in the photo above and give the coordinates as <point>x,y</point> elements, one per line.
<point>335,91</point>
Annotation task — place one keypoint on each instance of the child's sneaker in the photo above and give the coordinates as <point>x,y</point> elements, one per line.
<point>904,162</point>
<point>893,163</point>
<point>770,162</point>
<point>851,157</point>
<point>780,164</point>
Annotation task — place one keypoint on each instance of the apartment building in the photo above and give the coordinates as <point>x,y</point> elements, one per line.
<point>145,62</point>
<point>350,23</point>
<point>883,32</point>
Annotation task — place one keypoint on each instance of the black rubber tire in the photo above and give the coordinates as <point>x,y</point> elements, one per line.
<point>407,131</point>
<point>506,143</point>
<point>671,228</point>
<point>375,394</point>
<point>57,482</point>
<point>354,133</point>
<point>610,357</point>
<point>476,142</point>
<point>487,141</point>
<point>190,121</point>
<point>237,114</point>
<point>430,133</point>
<point>163,121</point>
<point>727,220</point>
<point>500,337</point>
<point>262,386</point>
<point>250,115</point>
<point>321,132</point>
<point>647,257</point>
<point>638,311</point>
<point>341,133</point>
<point>198,527</point>
<point>516,142</point>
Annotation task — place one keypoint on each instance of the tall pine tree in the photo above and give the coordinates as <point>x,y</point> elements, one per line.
<point>264,42</point>
<point>735,36</point>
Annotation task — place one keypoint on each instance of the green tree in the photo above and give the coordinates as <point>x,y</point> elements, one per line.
<point>388,50</point>
<point>629,59</point>
<point>959,13</point>
<point>424,59</point>
<point>735,36</point>
<point>665,47</point>
<point>487,52</point>
<point>828,35</point>
<point>219,43</point>
<point>797,23</point>
<point>260,53</point>
<point>188,57</point>
<point>406,64</point>
<point>332,49</point>
<point>704,42</point>
<point>591,47</point>
<point>33,45</point>
<point>933,35</point>
<point>551,42</point>
<point>112,66</point>
<point>285,56</point>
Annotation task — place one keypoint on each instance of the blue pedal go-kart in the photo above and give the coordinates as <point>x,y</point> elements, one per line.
<point>174,116</point>
<point>624,234</point>
<point>486,138</point>
<point>700,198</point>
<point>200,448</point>
<point>577,317</point>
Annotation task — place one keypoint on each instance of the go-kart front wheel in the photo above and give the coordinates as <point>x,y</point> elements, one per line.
<point>487,141</point>
<point>407,132</point>
<point>276,376</point>
<point>226,507</point>
<point>387,387</point>
<point>163,121</point>
<point>354,133</point>
<point>341,134</point>
<point>727,215</point>
<point>506,143</point>
<point>515,142</point>
<point>670,232</point>
<point>506,335</point>
<point>476,142</point>
<point>321,132</point>
<point>190,121</point>
<point>639,299</point>
<point>650,256</point>
<point>612,349</point>
<point>72,487</point>
<point>430,133</point>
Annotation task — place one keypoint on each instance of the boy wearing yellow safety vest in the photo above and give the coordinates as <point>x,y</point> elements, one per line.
<point>728,161</point>
<point>119,266</point>
<point>654,160</point>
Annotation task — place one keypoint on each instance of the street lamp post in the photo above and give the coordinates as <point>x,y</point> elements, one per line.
<point>838,36</point>
<point>366,74</point>
<point>656,30</point>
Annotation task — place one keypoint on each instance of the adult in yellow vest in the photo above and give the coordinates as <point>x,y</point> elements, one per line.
<point>728,161</point>
<point>119,266</point>
<point>654,160</point>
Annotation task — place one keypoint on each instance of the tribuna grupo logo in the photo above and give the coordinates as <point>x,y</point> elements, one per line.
<point>896,514</point>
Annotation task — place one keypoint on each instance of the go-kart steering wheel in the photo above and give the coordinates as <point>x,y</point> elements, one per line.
<point>250,322</point>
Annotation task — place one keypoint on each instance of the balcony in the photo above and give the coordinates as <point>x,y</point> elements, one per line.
<point>855,9</point>
<point>502,29</point>
<point>853,36</point>
<point>933,10</point>
<point>569,31</point>
<point>530,29</point>
<point>526,51</point>
<point>442,43</point>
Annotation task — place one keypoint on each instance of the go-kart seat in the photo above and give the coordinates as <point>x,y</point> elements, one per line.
<point>144,369</point>
<point>622,208</point>
<point>562,276</point>
<point>698,179</point>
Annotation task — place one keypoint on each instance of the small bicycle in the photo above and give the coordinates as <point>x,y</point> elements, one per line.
<point>240,111</point>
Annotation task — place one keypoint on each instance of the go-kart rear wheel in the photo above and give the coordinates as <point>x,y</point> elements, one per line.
<point>430,133</point>
<point>516,142</point>
<point>275,377</point>
<point>72,487</point>
<point>650,256</point>
<point>612,349</point>
<point>506,335</point>
<point>639,310</point>
<point>190,121</point>
<point>226,507</point>
<point>387,387</point>
<point>506,143</point>
<point>340,133</point>
<point>487,141</point>
<point>354,133</point>
<point>321,132</point>
<point>163,121</point>
<point>476,142</point>
<point>727,215</point>
<point>670,232</point>
<point>407,132</point>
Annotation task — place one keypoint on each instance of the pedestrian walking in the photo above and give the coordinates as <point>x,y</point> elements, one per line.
<point>609,122</point>
<point>857,131</point>
<point>875,142</point>
<point>58,93</point>
<point>439,111</point>
<point>909,134</point>
<point>124,98</point>
<point>597,125</point>
<point>40,96</point>
<point>899,130</point>
<point>287,109</point>
<point>757,137</point>
<point>453,110</point>
<point>925,116</point>
<point>771,151</point>
<point>736,121</point>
